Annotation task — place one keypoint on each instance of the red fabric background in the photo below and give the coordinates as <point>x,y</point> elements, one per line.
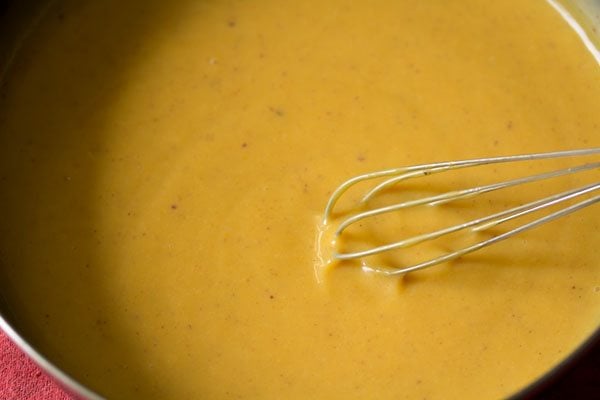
<point>21,379</point>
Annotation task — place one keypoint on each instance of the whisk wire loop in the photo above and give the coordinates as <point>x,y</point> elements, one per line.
<point>397,175</point>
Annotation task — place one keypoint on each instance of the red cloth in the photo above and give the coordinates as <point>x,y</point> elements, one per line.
<point>21,379</point>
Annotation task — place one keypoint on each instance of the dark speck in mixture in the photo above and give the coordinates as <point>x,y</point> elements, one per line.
<point>174,206</point>
<point>277,111</point>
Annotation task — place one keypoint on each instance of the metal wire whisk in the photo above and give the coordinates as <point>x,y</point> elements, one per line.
<point>396,175</point>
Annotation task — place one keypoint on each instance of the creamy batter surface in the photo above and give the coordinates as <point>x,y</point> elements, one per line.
<point>163,166</point>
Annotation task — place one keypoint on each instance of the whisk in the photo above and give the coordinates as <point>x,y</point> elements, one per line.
<point>387,178</point>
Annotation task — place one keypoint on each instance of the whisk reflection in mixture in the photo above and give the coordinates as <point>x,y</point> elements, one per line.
<point>387,178</point>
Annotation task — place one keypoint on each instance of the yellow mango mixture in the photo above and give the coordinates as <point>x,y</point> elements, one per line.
<point>164,166</point>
